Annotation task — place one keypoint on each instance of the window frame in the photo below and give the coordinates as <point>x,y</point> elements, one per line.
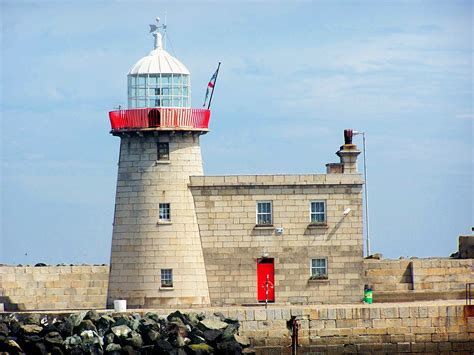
<point>164,205</point>
<point>318,276</point>
<point>257,214</point>
<point>165,156</point>
<point>311,213</point>
<point>166,279</point>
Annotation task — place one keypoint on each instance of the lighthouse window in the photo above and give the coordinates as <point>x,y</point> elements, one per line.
<point>163,151</point>
<point>165,212</point>
<point>157,91</point>
<point>264,213</point>
<point>141,81</point>
<point>166,277</point>
<point>318,212</point>
<point>319,268</point>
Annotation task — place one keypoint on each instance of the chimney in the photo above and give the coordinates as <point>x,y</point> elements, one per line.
<point>348,154</point>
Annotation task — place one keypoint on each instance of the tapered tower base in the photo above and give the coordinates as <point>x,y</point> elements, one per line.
<point>157,261</point>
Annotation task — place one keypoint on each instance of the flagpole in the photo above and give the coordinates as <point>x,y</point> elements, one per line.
<point>212,93</point>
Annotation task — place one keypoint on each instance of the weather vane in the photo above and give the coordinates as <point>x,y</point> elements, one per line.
<point>155,28</point>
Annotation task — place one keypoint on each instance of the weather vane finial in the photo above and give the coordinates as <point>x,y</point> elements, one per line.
<point>155,29</point>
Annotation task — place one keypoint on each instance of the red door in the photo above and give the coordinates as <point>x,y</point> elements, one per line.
<point>265,280</point>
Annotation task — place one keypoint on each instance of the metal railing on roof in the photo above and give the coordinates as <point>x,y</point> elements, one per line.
<point>160,117</point>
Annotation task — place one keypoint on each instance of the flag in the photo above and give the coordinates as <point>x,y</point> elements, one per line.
<point>210,86</point>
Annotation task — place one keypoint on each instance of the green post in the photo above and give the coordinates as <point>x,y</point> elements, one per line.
<point>368,294</point>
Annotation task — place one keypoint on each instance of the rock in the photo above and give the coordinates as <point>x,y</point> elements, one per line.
<point>32,318</point>
<point>162,347</point>
<point>121,331</point>
<point>53,339</point>
<point>150,336</point>
<point>113,347</point>
<point>77,318</point>
<point>109,338</point>
<point>211,324</point>
<point>13,346</point>
<point>193,319</point>
<point>249,351</point>
<point>31,329</point>
<point>212,335</point>
<point>72,342</point>
<point>197,349</point>
<point>135,340</point>
<point>48,329</point>
<point>85,325</point>
<point>229,348</point>
<point>177,315</point>
<point>66,328</point>
<point>103,324</point>
<point>242,340</point>
<point>230,331</point>
<point>180,341</point>
<point>91,342</point>
<point>153,316</point>
<point>40,265</point>
<point>40,349</point>
<point>92,315</point>
<point>4,329</point>
<point>129,350</point>
<point>56,351</point>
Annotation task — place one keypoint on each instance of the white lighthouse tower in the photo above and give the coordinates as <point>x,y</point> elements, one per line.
<point>156,258</point>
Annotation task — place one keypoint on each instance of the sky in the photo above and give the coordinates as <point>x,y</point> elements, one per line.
<point>294,75</point>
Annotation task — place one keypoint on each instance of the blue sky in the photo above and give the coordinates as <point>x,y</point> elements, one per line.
<point>293,76</point>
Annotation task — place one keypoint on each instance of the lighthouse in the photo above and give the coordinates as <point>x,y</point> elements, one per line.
<point>156,255</point>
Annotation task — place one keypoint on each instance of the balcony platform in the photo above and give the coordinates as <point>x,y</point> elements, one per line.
<point>154,119</point>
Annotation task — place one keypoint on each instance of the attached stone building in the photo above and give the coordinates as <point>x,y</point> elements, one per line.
<point>181,238</point>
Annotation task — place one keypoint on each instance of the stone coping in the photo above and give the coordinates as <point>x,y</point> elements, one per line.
<point>276,180</point>
<point>262,307</point>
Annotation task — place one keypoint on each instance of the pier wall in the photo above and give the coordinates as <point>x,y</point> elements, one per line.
<point>53,287</point>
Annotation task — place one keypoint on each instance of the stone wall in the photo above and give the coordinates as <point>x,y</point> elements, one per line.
<point>418,279</point>
<point>390,328</point>
<point>232,242</point>
<point>53,287</point>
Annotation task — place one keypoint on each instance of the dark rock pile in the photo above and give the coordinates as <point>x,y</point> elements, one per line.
<point>120,333</point>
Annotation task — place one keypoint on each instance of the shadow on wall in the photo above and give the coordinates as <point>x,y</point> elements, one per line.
<point>10,306</point>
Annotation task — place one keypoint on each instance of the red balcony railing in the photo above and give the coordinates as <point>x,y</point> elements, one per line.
<point>160,117</point>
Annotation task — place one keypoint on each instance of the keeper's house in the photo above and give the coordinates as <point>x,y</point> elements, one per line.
<point>181,238</point>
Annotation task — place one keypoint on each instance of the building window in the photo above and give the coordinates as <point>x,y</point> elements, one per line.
<point>163,151</point>
<point>166,277</point>
<point>165,212</point>
<point>264,213</point>
<point>319,269</point>
<point>318,212</point>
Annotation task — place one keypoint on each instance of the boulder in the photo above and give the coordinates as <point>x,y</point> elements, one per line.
<point>212,335</point>
<point>121,331</point>
<point>53,339</point>
<point>135,340</point>
<point>229,348</point>
<point>92,315</point>
<point>242,340</point>
<point>212,324</point>
<point>86,324</point>
<point>31,329</point>
<point>229,332</point>
<point>72,342</point>
<point>198,349</point>
<point>162,347</point>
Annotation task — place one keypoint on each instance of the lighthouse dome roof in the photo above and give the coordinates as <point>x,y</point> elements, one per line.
<point>158,61</point>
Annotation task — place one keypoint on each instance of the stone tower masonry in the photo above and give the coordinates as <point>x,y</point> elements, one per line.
<point>156,258</point>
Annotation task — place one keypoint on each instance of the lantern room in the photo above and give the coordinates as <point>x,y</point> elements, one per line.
<point>159,94</point>
<point>159,80</point>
